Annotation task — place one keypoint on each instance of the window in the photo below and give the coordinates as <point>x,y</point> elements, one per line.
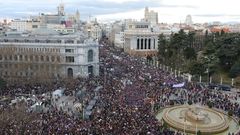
<point>90,55</point>
<point>70,72</point>
<point>47,59</point>
<point>15,57</point>
<point>58,58</point>
<point>20,57</point>
<point>52,58</point>
<point>0,57</point>
<point>69,50</point>
<point>10,57</point>
<point>31,58</point>
<point>34,26</point>
<point>26,58</point>
<point>36,58</point>
<point>90,70</point>
<point>42,58</point>
<point>69,59</point>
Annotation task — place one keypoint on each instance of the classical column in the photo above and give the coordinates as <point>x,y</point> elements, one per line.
<point>148,47</point>
<point>152,46</point>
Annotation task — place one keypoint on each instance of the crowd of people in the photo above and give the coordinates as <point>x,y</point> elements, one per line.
<point>133,90</point>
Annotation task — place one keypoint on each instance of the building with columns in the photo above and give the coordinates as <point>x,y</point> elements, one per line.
<point>48,57</point>
<point>140,39</point>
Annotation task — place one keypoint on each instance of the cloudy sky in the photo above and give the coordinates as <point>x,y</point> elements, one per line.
<point>169,10</point>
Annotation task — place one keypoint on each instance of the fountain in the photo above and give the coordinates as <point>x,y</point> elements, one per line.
<point>195,118</point>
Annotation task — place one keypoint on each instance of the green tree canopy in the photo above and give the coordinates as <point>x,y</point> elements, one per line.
<point>196,68</point>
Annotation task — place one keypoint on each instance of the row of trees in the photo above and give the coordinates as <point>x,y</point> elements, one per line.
<point>220,52</point>
<point>177,50</point>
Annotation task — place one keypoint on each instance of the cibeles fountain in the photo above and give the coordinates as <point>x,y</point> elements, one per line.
<point>194,118</point>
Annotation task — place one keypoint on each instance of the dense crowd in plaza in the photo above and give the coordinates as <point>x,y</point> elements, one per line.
<point>132,92</point>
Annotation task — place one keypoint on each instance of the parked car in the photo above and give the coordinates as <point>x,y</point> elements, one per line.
<point>224,87</point>
<point>212,86</point>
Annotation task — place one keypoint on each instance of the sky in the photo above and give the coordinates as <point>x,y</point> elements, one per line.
<point>169,11</point>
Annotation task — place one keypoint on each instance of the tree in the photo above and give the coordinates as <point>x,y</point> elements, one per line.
<point>196,68</point>
<point>162,48</point>
<point>235,70</point>
<point>190,39</point>
<point>210,59</point>
<point>228,52</point>
<point>189,53</point>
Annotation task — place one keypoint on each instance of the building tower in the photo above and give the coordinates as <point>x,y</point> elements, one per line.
<point>77,16</point>
<point>61,11</point>
<point>188,20</point>
<point>146,14</point>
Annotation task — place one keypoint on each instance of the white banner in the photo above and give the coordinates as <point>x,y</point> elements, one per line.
<point>179,85</point>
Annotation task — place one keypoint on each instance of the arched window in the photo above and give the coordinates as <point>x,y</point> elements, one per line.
<point>36,58</point>
<point>26,58</point>
<point>47,58</point>
<point>10,57</point>
<point>90,55</point>
<point>52,58</point>
<point>20,57</point>
<point>42,58</point>
<point>70,72</point>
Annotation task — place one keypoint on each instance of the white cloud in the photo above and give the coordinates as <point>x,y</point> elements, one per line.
<point>137,14</point>
<point>120,1</point>
<point>168,10</point>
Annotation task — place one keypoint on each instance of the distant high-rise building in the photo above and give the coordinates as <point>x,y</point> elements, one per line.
<point>61,9</point>
<point>188,20</point>
<point>77,16</point>
<point>151,16</point>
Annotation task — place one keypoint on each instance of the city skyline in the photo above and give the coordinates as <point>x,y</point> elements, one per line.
<point>169,11</point>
